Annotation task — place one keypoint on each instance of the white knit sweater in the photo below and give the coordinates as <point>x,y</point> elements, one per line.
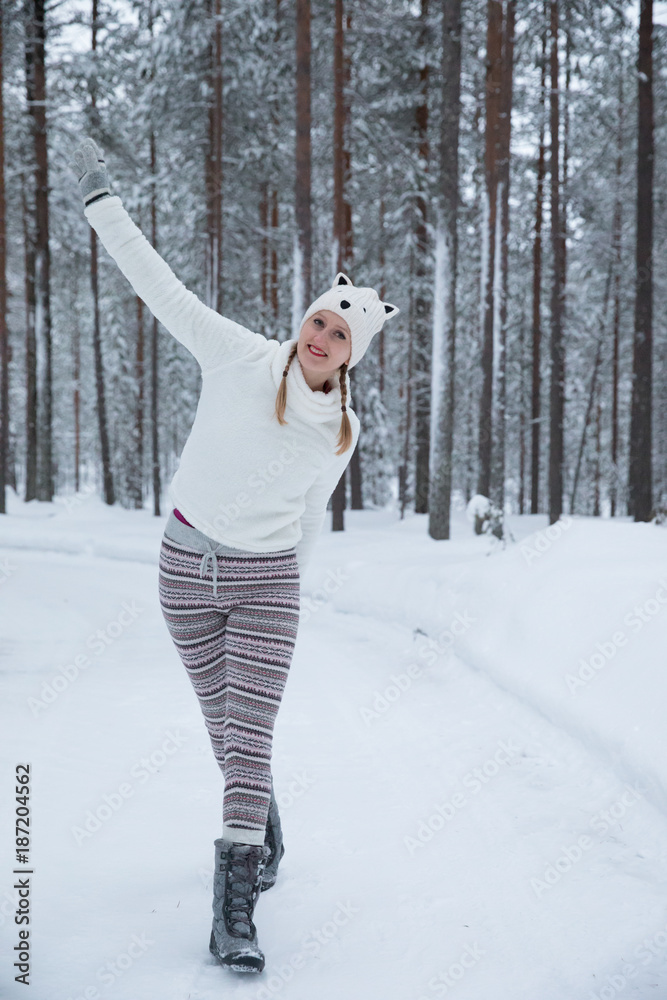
<point>243,479</point>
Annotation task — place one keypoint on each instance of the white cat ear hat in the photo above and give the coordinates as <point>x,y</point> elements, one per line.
<point>361,309</point>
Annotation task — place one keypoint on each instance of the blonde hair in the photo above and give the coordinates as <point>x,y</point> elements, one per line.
<point>345,433</point>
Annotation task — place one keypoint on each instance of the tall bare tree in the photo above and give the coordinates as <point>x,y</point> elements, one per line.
<point>36,93</point>
<point>135,477</point>
<point>4,341</point>
<point>640,481</point>
<point>422,330</point>
<point>155,381</point>
<point>302,208</point>
<point>269,207</point>
<point>107,476</point>
<point>342,226</point>
<point>617,252</point>
<point>30,344</point>
<point>536,382</point>
<point>557,374</point>
<point>444,319</point>
<point>494,70</point>
<point>502,259</point>
<point>214,162</point>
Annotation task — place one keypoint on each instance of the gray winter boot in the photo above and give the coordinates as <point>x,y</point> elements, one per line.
<point>237,880</point>
<point>274,841</point>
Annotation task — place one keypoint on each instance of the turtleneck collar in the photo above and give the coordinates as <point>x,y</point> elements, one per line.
<point>314,405</point>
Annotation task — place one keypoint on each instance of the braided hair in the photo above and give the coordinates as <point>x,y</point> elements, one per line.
<point>345,433</point>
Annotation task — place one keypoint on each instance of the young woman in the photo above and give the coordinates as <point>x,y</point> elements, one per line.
<point>266,450</point>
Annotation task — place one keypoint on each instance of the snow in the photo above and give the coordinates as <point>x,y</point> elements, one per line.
<point>477,506</point>
<point>470,761</point>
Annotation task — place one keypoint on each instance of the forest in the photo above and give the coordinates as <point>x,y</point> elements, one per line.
<point>493,168</point>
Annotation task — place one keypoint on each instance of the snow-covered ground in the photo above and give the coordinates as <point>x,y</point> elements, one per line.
<point>470,760</point>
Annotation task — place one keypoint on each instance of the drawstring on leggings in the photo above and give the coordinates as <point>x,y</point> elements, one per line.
<point>212,555</point>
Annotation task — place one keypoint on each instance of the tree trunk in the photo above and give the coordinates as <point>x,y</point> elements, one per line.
<point>536,406</point>
<point>422,334</point>
<point>30,352</point>
<point>107,477</point>
<point>593,390</point>
<point>136,475</point>
<point>641,465</point>
<point>444,319</point>
<point>597,465</point>
<point>4,341</point>
<point>37,110</point>
<point>264,253</point>
<point>302,209</point>
<point>155,443</point>
<point>405,393</point>
<point>381,337</point>
<point>566,138</point>
<point>342,230</point>
<point>502,221</point>
<point>214,163</point>
<point>494,53</point>
<point>617,247</point>
<point>273,270</point>
<point>557,375</point>
<point>76,378</point>
<point>522,418</point>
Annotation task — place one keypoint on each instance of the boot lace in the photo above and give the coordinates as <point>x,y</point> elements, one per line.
<point>244,878</point>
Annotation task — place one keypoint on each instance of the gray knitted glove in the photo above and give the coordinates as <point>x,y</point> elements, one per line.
<point>92,172</point>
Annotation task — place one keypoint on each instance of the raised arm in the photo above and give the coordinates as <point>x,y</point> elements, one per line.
<point>210,337</point>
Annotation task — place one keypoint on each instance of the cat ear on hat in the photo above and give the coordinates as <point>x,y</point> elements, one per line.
<point>390,310</point>
<point>341,279</point>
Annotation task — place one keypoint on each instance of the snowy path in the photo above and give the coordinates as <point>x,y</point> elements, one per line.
<point>363,907</point>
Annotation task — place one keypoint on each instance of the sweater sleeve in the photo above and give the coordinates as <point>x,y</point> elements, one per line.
<point>317,498</point>
<point>210,337</point>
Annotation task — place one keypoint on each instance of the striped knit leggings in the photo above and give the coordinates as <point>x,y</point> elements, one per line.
<point>233,616</point>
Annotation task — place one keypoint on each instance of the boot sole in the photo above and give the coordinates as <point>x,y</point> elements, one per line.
<point>238,963</point>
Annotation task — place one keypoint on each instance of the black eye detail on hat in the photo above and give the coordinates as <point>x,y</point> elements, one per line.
<point>364,308</point>
<point>344,304</point>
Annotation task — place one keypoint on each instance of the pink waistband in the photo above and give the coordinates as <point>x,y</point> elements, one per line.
<point>181,518</point>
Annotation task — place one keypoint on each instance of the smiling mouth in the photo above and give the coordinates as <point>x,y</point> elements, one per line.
<point>317,353</point>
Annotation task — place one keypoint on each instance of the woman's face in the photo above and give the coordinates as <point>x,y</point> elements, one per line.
<point>327,333</point>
